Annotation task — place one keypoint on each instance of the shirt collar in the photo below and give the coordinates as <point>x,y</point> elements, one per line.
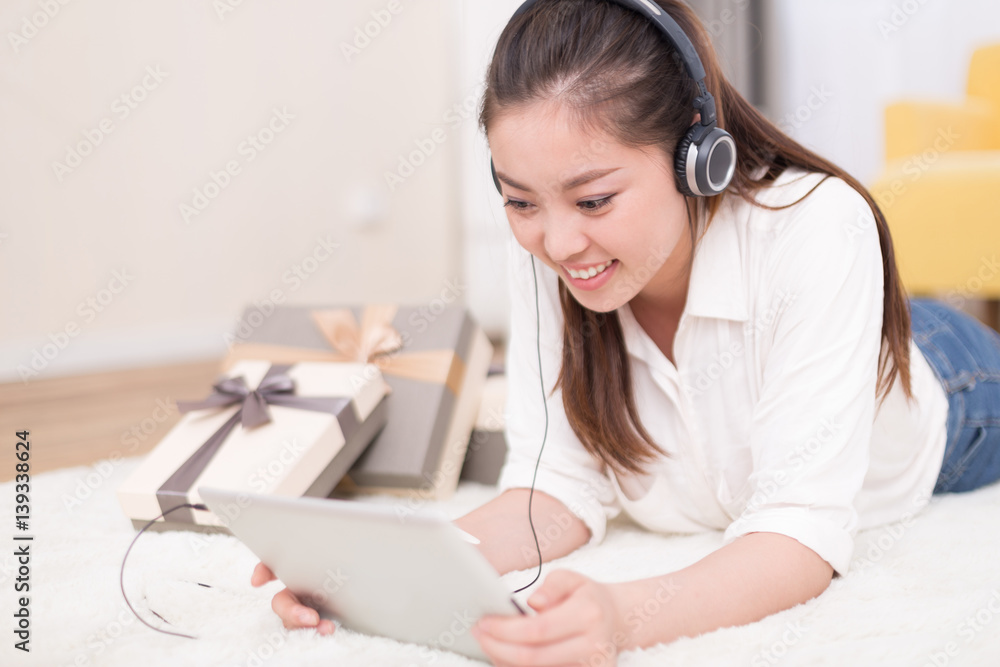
<point>717,287</point>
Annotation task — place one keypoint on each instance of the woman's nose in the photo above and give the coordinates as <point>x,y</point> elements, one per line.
<point>565,238</point>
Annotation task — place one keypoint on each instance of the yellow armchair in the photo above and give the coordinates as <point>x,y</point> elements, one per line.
<point>940,190</point>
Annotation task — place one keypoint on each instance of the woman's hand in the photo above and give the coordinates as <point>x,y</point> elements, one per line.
<point>292,612</point>
<point>577,621</point>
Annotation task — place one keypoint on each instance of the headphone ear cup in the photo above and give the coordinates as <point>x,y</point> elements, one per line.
<point>705,161</point>
<point>681,156</point>
<point>496,181</point>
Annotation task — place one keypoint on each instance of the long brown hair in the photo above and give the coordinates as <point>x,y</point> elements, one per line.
<point>613,69</point>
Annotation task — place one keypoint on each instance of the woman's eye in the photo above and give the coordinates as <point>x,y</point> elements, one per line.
<point>595,204</point>
<point>516,204</point>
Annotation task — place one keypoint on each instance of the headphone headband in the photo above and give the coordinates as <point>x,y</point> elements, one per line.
<point>668,27</point>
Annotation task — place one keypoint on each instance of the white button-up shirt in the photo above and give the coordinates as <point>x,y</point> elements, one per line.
<point>770,416</point>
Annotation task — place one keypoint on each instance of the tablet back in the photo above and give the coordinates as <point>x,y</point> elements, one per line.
<point>406,576</point>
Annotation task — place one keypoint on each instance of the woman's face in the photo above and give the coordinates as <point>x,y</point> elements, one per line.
<point>606,217</point>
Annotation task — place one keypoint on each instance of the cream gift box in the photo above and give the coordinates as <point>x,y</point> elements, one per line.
<point>322,416</point>
<point>435,359</point>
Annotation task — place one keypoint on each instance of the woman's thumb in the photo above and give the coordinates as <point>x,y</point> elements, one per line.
<point>558,586</point>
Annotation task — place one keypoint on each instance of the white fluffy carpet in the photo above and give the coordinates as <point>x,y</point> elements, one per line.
<point>917,595</point>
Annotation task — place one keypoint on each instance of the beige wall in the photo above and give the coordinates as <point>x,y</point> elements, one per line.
<point>220,78</point>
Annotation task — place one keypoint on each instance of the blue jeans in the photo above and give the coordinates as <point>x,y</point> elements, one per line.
<point>965,356</point>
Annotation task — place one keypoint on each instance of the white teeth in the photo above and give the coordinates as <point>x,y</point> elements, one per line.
<point>587,274</point>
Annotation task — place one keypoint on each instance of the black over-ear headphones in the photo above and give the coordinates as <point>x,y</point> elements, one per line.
<point>705,160</point>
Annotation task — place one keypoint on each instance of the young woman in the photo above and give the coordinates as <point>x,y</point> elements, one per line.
<point>740,362</point>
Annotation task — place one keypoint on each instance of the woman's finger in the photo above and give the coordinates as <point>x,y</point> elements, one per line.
<point>557,624</point>
<point>261,575</point>
<point>290,610</point>
<point>557,587</point>
<point>294,614</point>
<point>572,651</point>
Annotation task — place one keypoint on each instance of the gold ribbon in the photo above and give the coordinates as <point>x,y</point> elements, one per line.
<point>374,341</point>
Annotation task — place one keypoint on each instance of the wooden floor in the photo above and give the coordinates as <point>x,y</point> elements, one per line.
<point>82,419</point>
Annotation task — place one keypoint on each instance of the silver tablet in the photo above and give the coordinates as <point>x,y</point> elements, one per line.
<point>410,577</point>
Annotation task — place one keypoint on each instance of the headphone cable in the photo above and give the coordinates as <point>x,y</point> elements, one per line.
<point>121,579</point>
<point>545,432</point>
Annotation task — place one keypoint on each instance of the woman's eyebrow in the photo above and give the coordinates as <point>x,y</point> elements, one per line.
<point>575,182</point>
<point>587,177</point>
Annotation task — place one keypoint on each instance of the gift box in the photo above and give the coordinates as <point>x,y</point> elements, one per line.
<point>435,359</point>
<point>488,447</point>
<point>289,430</point>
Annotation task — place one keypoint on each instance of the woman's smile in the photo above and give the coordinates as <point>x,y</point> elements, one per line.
<point>590,278</point>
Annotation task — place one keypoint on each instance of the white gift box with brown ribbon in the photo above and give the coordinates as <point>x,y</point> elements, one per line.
<point>288,430</point>
<point>435,360</point>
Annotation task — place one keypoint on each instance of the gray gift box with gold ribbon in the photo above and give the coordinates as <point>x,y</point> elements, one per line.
<point>435,360</point>
<point>488,444</point>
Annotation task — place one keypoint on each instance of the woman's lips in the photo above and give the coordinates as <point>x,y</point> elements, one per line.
<point>601,275</point>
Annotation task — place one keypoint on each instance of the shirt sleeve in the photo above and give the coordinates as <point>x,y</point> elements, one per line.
<point>566,471</point>
<point>812,424</point>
